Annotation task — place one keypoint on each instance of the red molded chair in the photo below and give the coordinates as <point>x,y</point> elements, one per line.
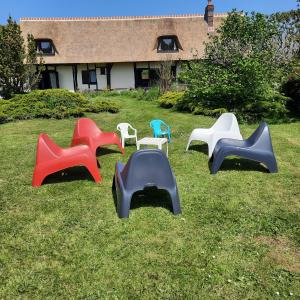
<point>86,132</point>
<point>50,158</point>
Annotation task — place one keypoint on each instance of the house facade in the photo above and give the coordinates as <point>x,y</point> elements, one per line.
<point>117,52</point>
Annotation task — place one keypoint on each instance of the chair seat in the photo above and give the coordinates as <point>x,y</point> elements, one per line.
<point>145,170</point>
<point>257,147</point>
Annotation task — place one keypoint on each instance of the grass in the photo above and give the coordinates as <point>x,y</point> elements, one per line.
<point>237,238</point>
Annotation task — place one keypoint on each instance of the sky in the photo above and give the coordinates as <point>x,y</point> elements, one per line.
<point>93,8</point>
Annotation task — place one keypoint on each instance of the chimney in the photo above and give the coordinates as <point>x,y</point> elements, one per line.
<point>209,13</point>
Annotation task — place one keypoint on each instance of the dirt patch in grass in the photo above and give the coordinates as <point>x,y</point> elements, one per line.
<point>283,252</point>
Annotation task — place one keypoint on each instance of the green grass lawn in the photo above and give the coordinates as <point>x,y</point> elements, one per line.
<point>238,235</point>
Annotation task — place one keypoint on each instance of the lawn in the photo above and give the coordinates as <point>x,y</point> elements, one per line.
<point>238,236</point>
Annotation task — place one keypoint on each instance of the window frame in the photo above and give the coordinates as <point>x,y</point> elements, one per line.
<point>38,43</point>
<point>174,38</point>
<point>89,74</point>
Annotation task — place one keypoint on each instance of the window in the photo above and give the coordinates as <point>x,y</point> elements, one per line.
<point>102,70</point>
<point>45,47</point>
<point>167,44</point>
<point>49,80</point>
<point>145,74</point>
<point>89,77</point>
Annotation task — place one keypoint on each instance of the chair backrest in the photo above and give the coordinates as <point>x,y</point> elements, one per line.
<point>46,149</point>
<point>261,138</point>
<point>226,122</point>
<point>147,168</point>
<point>156,125</point>
<point>86,127</point>
<point>123,128</point>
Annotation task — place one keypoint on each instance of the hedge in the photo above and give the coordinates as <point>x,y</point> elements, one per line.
<point>55,103</point>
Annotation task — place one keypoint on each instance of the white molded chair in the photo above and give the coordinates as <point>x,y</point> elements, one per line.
<point>225,127</point>
<point>124,130</point>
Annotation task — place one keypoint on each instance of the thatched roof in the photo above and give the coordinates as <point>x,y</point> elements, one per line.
<point>119,39</point>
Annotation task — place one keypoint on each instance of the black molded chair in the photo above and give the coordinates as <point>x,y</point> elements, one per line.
<point>145,170</point>
<point>257,147</point>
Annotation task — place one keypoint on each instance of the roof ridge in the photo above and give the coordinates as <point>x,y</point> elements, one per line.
<point>118,17</point>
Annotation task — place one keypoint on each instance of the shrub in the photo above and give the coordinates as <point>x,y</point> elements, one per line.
<point>242,70</point>
<point>170,99</point>
<point>292,89</point>
<point>209,112</point>
<point>150,94</point>
<point>55,103</point>
<point>97,105</point>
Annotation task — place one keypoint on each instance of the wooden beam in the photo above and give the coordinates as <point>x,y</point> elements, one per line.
<point>108,75</point>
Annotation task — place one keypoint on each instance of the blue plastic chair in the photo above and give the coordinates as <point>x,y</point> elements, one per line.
<point>257,147</point>
<point>160,128</point>
<point>146,170</point>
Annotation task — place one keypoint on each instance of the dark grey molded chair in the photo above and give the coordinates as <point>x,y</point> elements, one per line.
<point>257,147</point>
<point>146,169</point>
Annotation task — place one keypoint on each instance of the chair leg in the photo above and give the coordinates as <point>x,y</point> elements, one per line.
<point>188,144</point>
<point>217,162</point>
<point>38,178</point>
<point>120,147</point>
<point>272,165</point>
<point>123,204</point>
<point>94,171</point>
<point>175,201</point>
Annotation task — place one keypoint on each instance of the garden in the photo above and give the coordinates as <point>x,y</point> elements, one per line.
<point>238,234</point>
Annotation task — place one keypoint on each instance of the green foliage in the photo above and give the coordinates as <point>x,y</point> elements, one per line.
<point>237,238</point>
<point>143,94</point>
<point>170,99</point>
<point>209,112</point>
<point>55,103</point>
<point>17,63</point>
<point>98,104</point>
<point>292,89</point>
<point>151,94</point>
<point>242,70</point>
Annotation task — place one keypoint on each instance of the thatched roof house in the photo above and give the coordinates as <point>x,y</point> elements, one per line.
<point>116,52</point>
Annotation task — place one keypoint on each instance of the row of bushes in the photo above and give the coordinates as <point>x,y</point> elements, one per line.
<point>257,110</point>
<point>150,94</point>
<point>55,103</point>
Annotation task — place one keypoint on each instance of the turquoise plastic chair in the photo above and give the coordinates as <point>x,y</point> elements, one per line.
<point>160,128</point>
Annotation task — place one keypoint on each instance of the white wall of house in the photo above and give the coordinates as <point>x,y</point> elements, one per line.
<point>82,86</point>
<point>65,77</point>
<point>122,76</point>
<point>101,79</point>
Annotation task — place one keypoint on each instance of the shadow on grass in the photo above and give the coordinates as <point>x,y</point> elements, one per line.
<point>240,164</point>
<point>67,175</point>
<point>147,198</point>
<point>199,148</point>
<point>106,151</point>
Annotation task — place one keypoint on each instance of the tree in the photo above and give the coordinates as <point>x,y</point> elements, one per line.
<point>18,71</point>
<point>165,74</point>
<point>243,69</point>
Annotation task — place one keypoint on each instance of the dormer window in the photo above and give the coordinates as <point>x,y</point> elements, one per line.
<point>45,47</point>
<point>168,44</point>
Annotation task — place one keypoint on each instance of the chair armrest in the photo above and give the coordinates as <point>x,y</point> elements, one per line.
<point>119,169</point>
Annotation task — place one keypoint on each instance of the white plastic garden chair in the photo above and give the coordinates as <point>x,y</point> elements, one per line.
<point>225,127</point>
<point>124,130</point>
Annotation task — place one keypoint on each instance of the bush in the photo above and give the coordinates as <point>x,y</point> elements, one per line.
<point>292,89</point>
<point>97,105</point>
<point>55,103</point>
<point>209,112</point>
<point>144,94</point>
<point>170,99</point>
<point>241,72</point>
